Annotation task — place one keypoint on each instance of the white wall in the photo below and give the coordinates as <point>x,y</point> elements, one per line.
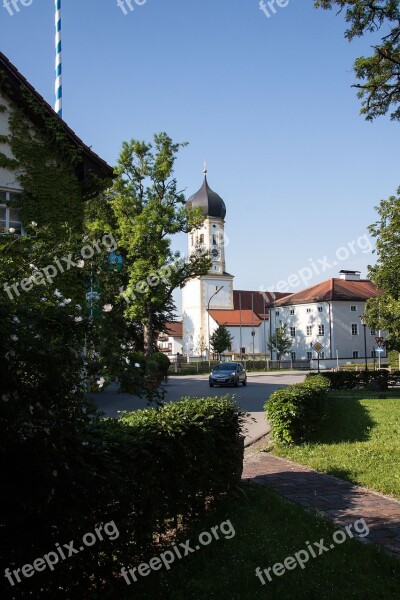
<point>337,318</point>
<point>8,180</point>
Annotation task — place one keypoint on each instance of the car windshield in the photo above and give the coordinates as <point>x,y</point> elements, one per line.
<point>226,367</point>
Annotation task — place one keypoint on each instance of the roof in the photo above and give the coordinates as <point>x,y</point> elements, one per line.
<point>334,290</point>
<point>17,82</point>
<point>235,318</point>
<point>174,329</point>
<point>256,300</point>
<point>210,202</point>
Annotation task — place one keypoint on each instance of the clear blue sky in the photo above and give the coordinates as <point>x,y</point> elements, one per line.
<point>267,101</point>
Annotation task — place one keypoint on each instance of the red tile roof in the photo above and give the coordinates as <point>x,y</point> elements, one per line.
<point>260,301</point>
<point>233,318</point>
<point>333,289</point>
<point>174,329</point>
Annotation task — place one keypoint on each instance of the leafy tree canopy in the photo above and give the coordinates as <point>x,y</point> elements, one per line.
<point>221,340</point>
<point>379,74</point>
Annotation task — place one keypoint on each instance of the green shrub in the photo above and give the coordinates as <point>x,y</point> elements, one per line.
<point>350,380</point>
<point>293,412</point>
<point>146,472</point>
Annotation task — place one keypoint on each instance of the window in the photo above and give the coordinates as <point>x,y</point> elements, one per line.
<point>322,354</point>
<point>293,331</point>
<point>319,308</point>
<point>292,311</point>
<point>355,353</point>
<point>373,332</point>
<point>354,329</point>
<point>9,216</point>
<point>308,310</point>
<point>309,329</point>
<point>353,308</point>
<point>293,355</point>
<point>201,241</point>
<point>214,240</point>
<point>277,313</point>
<point>309,355</point>
<point>321,329</point>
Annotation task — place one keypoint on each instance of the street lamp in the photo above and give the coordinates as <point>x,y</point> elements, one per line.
<point>364,324</point>
<point>208,326</point>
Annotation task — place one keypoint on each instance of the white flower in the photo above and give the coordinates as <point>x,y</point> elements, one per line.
<point>85,443</point>
<point>11,230</point>
<point>80,264</point>
<point>31,409</point>
<point>33,223</point>
<point>67,300</point>
<point>61,304</point>
<point>128,362</point>
<point>79,307</point>
<point>58,294</point>
<point>101,382</point>
<point>16,319</point>
<point>14,337</point>
<point>137,365</point>
<point>78,319</point>
<point>55,473</point>
<point>43,299</point>
<point>107,308</point>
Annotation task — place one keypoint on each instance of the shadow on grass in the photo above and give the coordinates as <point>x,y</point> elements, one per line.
<point>347,421</point>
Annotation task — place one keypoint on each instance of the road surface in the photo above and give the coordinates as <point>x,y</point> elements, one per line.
<point>250,398</point>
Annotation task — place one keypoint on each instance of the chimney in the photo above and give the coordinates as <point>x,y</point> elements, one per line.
<point>350,275</point>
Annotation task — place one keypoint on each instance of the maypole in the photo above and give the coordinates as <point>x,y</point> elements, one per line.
<point>58,85</point>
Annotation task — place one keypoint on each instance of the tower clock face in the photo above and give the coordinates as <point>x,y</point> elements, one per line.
<point>215,253</point>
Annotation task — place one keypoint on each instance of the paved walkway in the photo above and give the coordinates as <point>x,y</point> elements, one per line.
<point>338,500</point>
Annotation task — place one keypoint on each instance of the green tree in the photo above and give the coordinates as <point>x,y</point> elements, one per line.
<point>144,210</point>
<point>383,312</point>
<point>379,74</point>
<point>221,340</point>
<point>280,341</point>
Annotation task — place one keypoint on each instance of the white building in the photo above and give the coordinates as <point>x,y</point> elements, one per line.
<point>17,93</point>
<point>170,341</point>
<point>329,313</point>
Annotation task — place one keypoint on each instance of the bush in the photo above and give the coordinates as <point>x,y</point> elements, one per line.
<point>350,380</point>
<point>146,473</point>
<point>293,412</point>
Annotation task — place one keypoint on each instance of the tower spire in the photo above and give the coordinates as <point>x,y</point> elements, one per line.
<point>205,167</point>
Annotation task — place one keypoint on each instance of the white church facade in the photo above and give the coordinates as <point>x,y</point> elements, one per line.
<point>327,313</point>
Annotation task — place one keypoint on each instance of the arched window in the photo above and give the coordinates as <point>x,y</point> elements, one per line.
<point>201,238</point>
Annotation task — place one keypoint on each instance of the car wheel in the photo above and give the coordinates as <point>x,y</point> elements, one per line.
<point>210,384</point>
<point>244,382</point>
<point>236,383</point>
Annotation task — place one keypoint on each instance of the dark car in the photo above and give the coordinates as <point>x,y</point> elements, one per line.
<point>230,373</point>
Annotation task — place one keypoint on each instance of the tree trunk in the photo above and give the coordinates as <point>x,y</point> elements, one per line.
<point>148,335</point>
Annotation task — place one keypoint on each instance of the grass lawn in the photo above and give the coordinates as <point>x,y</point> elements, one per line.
<point>359,441</point>
<point>268,529</point>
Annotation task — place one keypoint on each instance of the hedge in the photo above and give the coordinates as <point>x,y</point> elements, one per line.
<point>295,411</point>
<point>350,380</point>
<point>149,472</point>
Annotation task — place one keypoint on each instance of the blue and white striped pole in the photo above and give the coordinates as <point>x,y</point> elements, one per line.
<point>58,86</point>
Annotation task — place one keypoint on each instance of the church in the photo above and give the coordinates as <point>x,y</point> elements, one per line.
<point>210,300</point>
<point>327,316</point>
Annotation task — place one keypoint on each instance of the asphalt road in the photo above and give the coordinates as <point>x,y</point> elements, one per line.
<point>250,398</point>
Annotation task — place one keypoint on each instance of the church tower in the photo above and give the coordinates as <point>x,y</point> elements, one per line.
<point>211,291</point>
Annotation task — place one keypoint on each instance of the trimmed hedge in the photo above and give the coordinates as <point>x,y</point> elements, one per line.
<point>148,472</point>
<point>350,380</point>
<point>293,412</point>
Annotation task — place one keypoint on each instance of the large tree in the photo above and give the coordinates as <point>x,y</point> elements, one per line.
<point>378,74</point>
<point>144,209</point>
<point>384,312</point>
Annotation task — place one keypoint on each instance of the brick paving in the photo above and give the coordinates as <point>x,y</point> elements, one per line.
<point>337,500</point>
